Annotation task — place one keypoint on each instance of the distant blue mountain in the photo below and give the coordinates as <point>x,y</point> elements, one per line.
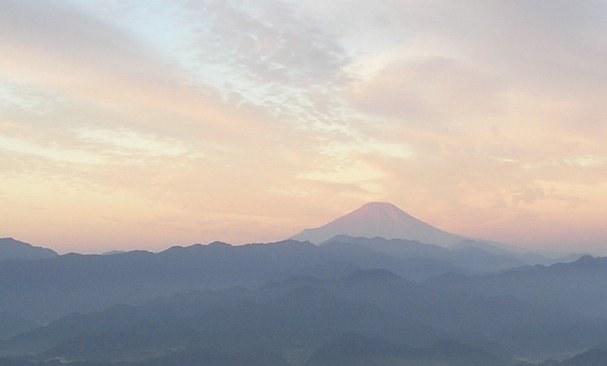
<point>385,220</point>
<point>472,257</point>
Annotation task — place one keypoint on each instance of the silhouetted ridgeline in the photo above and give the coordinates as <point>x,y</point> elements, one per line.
<point>38,290</point>
<point>15,249</point>
<point>354,301</point>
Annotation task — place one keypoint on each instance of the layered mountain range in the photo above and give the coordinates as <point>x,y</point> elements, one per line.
<point>376,286</point>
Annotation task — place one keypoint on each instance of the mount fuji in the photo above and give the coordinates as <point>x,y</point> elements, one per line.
<point>380,219</point>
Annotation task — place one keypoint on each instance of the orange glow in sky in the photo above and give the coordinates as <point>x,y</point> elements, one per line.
<point>147,124</point>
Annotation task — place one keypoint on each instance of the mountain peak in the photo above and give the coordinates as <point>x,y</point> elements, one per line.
<point>379,219</point>
<point>385,206</point>
<point>380,211</point>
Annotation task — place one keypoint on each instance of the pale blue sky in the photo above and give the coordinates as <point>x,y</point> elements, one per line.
<point>129,124</point>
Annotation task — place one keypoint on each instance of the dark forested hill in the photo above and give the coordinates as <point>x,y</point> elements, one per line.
<point>300,319</point>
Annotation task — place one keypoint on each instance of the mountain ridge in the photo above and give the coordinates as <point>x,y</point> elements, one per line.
<point>14,249</point>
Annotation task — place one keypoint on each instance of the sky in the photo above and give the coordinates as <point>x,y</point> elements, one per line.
<point>145,124</point>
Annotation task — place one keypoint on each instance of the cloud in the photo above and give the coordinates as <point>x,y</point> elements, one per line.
<point>125,141</point>
<point>56,153</point>
<point>477,116</point>
<point>433,92</point>
<point>269,54</point>
<point>270,41</point>
<point>585,161</point>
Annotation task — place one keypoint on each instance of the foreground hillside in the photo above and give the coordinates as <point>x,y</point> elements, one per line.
<point>373,316</point>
